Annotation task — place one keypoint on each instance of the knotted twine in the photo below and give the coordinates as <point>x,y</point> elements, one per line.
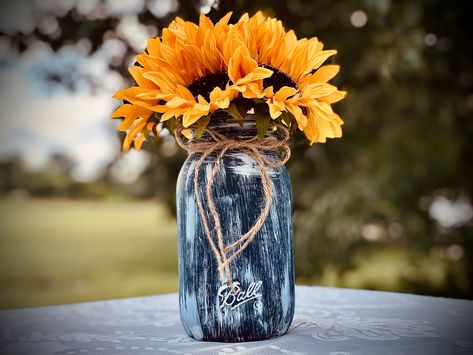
<point>253,148</point>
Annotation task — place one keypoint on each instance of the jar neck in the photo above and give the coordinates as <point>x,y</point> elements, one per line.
<point>231,129</point>
<point>223,123</point>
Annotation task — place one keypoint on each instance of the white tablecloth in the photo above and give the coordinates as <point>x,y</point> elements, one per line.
<point>327,321</point>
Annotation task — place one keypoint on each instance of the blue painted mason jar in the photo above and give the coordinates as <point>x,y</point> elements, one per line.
<point>260,303</point>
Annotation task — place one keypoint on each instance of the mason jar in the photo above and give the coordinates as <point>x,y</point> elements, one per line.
<point>259,302</point>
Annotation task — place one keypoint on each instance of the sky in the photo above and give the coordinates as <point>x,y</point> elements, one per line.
<point>39,120</point>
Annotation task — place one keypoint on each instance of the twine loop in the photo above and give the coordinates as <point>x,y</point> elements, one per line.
<point>253,148</point>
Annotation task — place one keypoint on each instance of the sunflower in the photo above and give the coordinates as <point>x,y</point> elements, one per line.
<point>254,64</point>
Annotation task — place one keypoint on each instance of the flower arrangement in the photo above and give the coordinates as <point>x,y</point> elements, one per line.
<point>257,73</point>
<point>253,66</point>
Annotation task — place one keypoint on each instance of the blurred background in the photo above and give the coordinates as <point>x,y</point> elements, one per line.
<point>388,207</point>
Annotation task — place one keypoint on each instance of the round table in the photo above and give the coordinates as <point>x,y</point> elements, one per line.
<point>327,321</point>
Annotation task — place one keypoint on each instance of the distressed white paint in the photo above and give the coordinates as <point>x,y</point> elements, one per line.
<point>268,258</point>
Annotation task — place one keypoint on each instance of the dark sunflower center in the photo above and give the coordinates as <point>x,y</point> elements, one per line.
<point>204,85</point>
<point>278,79</point>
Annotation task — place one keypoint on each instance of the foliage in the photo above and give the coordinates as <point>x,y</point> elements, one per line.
<point>407,136</point>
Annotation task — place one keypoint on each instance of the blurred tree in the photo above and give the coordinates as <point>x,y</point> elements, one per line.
<point>408,68</point>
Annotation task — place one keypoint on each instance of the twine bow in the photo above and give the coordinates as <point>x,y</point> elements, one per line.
<point>253,148</point>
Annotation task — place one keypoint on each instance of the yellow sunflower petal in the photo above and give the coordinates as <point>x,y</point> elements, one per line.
<point>244,17</point>
<point>187,132</point>
<point>310,130</point>
<point>221,98</point>
<point>123,110</point>
<point>205,23</point>
<point>241,64</point>
<point>185,93</point>
<point>131,95</point>
<point>274,110</point>
<point>187,52</point>
<point>190,117</point>
<point>322,125</point>
<point>202,105</point>
<point>130,113</point>
<point>137,74</point>
<point>285,92</point>
<point>325,73</point>
<point>261,73</point>
<point>318,90</point>
<point>320,58</point>
<point>126,123</point>
<point>139,124</point>
<point>334,97</point>
<point>176,102</point>
<point>169,114</point>
<point>301,119</point>
<point>224,20</point>
<point>138,142</point>
<point>153,46</point>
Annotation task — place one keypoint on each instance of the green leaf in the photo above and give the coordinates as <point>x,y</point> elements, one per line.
<point>156,117</point>
<point>243,105</point>
<point>201,125</point>
<point>155,129</point>
<point>287,118</point>
<point>171,124</point>
<point>233,111</point>
<point>145,132</point>
<point>262,120</point>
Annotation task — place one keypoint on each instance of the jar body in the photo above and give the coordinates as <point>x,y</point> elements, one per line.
<point>260,305</point>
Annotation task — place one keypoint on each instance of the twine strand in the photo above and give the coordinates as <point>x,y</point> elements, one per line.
<point>254,149</point>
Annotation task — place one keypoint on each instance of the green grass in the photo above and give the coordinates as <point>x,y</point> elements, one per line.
<point>62,251</point>
<point>59,251</point>
<point>401,269</point>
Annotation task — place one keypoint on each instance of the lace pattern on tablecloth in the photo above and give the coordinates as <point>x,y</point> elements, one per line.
<point>327,321</point>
